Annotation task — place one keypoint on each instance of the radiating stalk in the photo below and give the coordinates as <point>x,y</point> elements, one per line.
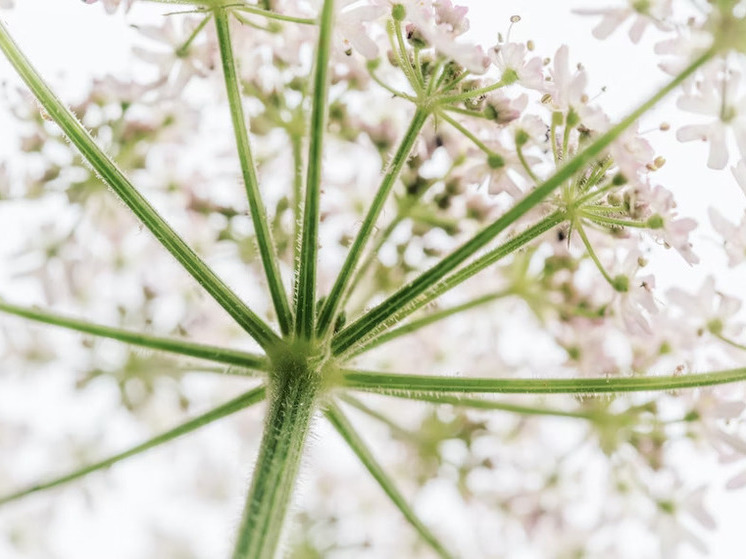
<point>306,287</point>
<point>182,347</point>
<point>428,320</point>
<point>237,404</point>
<point>292,403</point>
<point>346,347</point>
<point>411,291</point>
<point>388,383</point>
<point>491,405</point>
<point>348,433</point>
<point>264,241</point>
<point>115,178</point>
<point>338,291</point>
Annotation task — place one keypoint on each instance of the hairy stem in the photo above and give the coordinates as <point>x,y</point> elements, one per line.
<point>306,287</point>
<point>115,178</point>
<point>388,383</point>
<point>256,206</point>
<point>337,294</point>
<point>182,347</point>
<point>341,347</point>
<point>292,403</point>
<point>348,433</point>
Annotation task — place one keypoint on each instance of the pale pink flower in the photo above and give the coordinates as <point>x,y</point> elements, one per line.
<point>675,230</point>
<point>110,5</point>
<point>635,305</point>
<point>351,27</point>
<point>672,526</point>
<point>705,310</point>
<point>512,57</point>
<point>719,97</point>
<point>441,34</point>
<point>503,173</point>
<point>643,14</point>
<point>175,66</point>
<point>682,49</point>
<point>631,152</point>
<point>734,236</point>
<point>567,89</point>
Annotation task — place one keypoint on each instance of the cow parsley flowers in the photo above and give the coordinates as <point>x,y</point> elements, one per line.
<point>438,262</point>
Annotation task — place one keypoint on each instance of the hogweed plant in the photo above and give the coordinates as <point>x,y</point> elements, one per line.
<point>398,181</point>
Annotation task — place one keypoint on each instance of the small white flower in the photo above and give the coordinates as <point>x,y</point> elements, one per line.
<point>176,65</point>
<point>567,89</point>
<point>734,236</point>
<point>716,96</point>
<point>512,57</point>
<point>644,14</point>
<point>110,5</point>
<point>350,27</point>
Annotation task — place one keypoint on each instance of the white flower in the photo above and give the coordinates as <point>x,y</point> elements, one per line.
<point>110,5</point>
<point>708,310</point>
<point>567,90</point>
<point>512,57</point>
<point>631,152</point>
<point>350,27</point>
<point>659,207</point>
<point>734,237</point>
<point>719,97</point>
<point>636,303</point>
<point>644,14</point>
<point>440,32</point>
<point>175,64</point>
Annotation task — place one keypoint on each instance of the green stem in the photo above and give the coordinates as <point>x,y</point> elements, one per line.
<point>387,87</point>
<point>245,400</point>
<point>524,163</point>
<point>367,410</point>
<point>292,404</point>
<point>472,93</point>
<point>465,112</point>
<point>297,145</point>
<point>592,253</point>
<point>115,178</point>
<point>306,291</point>
<point>373,253</point>
<point>183,50</point>
<point>612,221</point>
<point>256,206</point>
<point>338,291</point>
<point>341,346</point>
<point>248,8</point>
<point>729,341</point>
<point>427,320</point>
<point>387,383</point>
<point>348,433</point>
<point>402,56</point>
<point>411,291</point>
<point>182,347</point>
<point>483,404</point>
<point>466,132</point>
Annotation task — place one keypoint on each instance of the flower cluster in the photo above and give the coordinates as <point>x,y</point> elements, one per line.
<point>511,189</point>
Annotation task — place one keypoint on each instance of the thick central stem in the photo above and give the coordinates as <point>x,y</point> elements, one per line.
<point>293,393</point>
